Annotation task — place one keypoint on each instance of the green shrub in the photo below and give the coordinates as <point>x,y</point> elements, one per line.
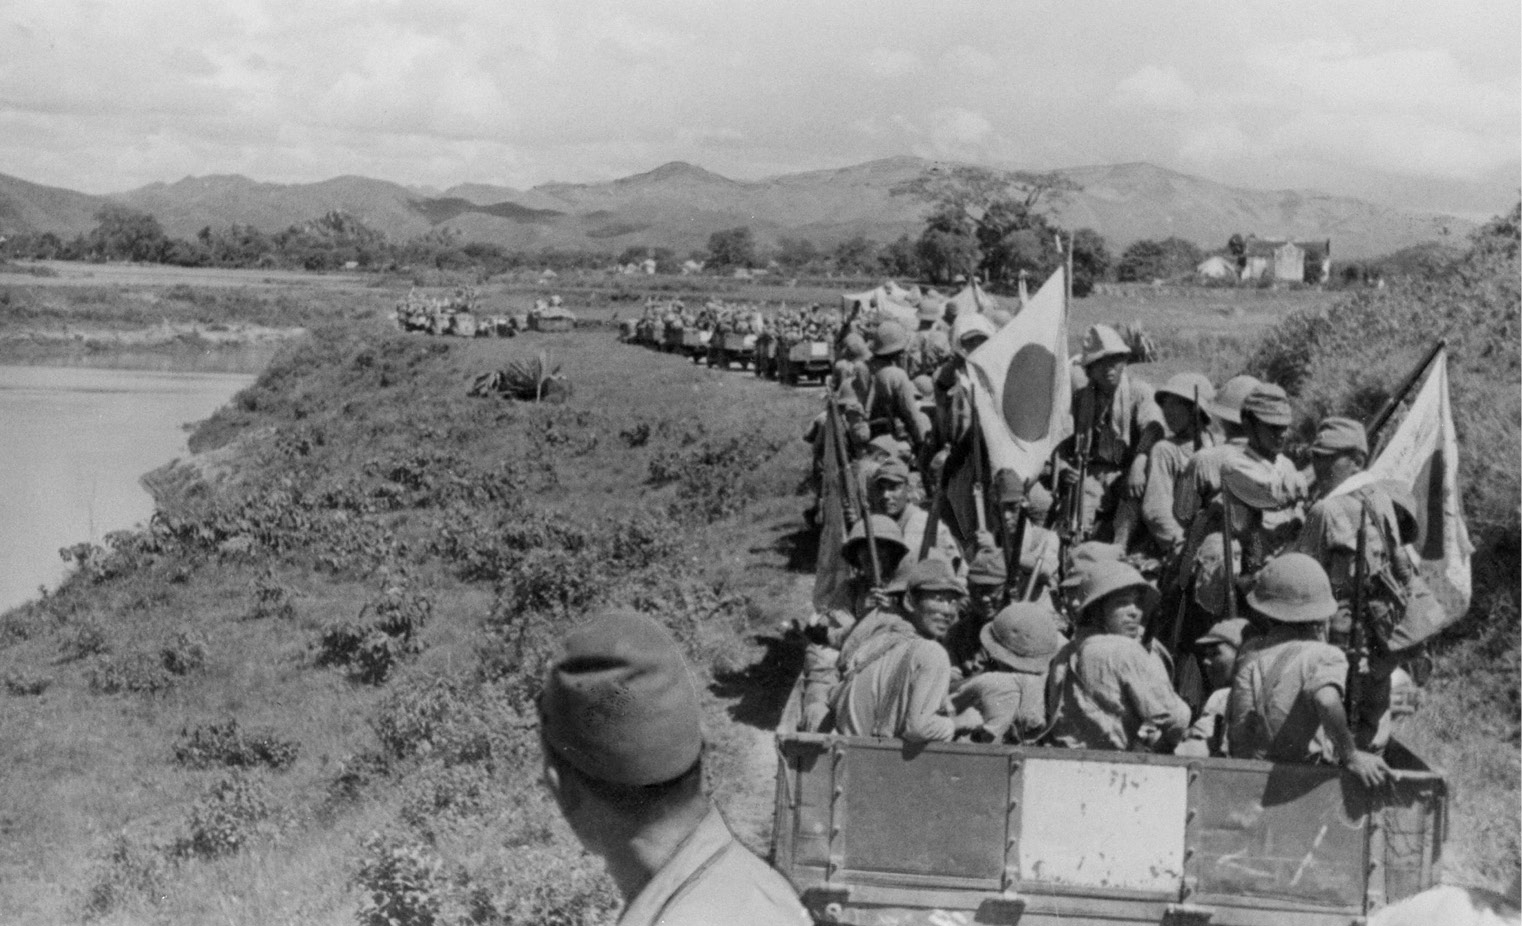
<point>138,672</point>
<point>225,744</point>
<point>384,636</point>
<point>439,794</point>
<point>226,819</point>
<point>402,882</point>
<point>185,654</point>
<point>83,639</point>
<point>25,682</point>
<point>271,599</point>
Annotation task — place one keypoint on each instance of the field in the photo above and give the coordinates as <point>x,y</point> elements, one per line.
<point>307,689</point>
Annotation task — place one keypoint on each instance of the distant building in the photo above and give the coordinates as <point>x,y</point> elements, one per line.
<point>1287,261</point>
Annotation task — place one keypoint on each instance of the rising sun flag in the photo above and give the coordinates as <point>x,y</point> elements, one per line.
<point>1424,454</point>
<point>1022,391</point>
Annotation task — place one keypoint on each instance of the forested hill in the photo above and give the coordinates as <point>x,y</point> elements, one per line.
<point>679,205</point>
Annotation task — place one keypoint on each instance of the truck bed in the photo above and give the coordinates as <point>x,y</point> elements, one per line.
<point>871,831</point>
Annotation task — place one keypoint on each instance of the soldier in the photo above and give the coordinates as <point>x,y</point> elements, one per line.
<point>1181,400</point>
<point>1200,481</point>
<point>1398,609</point>
<point>897,683</point>
<point>953,401</point>
<point>1286,697</point>
<point>1105,691</point>
<point>889,494</point>
<point>928,346</point>
<point>827,630</point>
<point>619,724</point>
<point>1218,650</point>
<point>986,592</point>
<point>1009,699</point>
<point>887,393</point>
<point>1115,421</point>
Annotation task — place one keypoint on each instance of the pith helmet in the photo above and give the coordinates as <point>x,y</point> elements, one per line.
<point>1269,403</point>
<point>929,310</point>
<point>1023,636</point>
<point>1189,387</point>
<point>1227,404</point>
<point>889,338</point>
<point>1339,435</point>
<point>854,347</point>
<point>884,530</point>
<point>1102,341</point>
<point>620,704</point>
<point>1106,578</point>
<point>1293,589</point>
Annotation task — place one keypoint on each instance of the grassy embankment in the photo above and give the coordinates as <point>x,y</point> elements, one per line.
<point>364,569</point>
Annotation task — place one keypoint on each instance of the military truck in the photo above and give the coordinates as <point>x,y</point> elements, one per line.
<point>727,347</point>
<point>798,360</point>
<point>872,831</point>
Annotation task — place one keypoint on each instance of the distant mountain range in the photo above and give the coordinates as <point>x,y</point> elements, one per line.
<point>679,205</point>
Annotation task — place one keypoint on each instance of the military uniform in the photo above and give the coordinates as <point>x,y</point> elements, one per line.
<point>713,879</point>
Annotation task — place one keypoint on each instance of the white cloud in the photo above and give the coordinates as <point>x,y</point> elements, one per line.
<point>1156,88</point>
<point>1214,143</point>
<point>890,62</point>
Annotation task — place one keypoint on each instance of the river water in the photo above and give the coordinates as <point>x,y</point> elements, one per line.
<point>74,443</point>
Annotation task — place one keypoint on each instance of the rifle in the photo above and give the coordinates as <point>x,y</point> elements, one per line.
<point>1015,543</point>
<point>1230,566</point>
<point>1358,643</point>
<point>1199,428</point>
<point>859,489</point>
<point>1082,445</point>
<point>1399,396</point>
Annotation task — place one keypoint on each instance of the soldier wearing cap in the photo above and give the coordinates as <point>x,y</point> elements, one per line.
<point>854,602</point>
<point>1265,492</point>
<point>619,723</point>
<point>1200,481</point>
<point>897,683</point>
<point>987,589</point>
<point>1182,401</point>
<point>854,420</point>
<point>1009,699</point>
<point>889,493</point>
<point>1217,650</point>
<point>1115,421</point>
<point>953,400</point>
<point>1105,690</point>
<point>1286,702</point>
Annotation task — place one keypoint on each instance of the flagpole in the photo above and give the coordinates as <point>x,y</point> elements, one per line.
<point>1401,393</point>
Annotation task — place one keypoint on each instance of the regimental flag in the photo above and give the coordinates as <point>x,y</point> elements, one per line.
<point>830,569</point>
<point>1022,391</point>
<point>1424,454</point>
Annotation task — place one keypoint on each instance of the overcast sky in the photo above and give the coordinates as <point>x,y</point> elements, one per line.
<point>1415,104</point>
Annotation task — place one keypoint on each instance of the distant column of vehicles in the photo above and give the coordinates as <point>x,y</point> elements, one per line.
<point>790,359</point>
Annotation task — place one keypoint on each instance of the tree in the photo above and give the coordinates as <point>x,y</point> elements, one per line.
<point>126,234</point>
<point>855,255</point>
<point>1147,260</point>
<point>735,247</point>
<point>899,259</point>
<point>1091,260</point>
<point>968,188</point>
<point>947,253</point>
<point>795,254</point>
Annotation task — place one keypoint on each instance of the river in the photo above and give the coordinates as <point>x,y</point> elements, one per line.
<point>74,443</point>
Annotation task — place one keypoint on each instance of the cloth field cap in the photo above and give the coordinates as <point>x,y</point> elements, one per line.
<point>1269,403</point>
<point>1023,636</point>
<point>1106,578</point>
<point>620,704</point>
<point>987,568</point>
<point>1293,589</point>
<point>1339,435</point>
<point>884,531</point>
<point>889,338</point>
<point>1227,404</point>
<point>933,575</point>
<point>1188,386</point>
<point>893,470</point>
<point>1102,341</point>
<point>888,445</point>
<point>929,310</point>
<point>1227,631</point>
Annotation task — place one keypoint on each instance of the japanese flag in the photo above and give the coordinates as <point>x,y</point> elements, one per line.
<point>1424,454</point>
